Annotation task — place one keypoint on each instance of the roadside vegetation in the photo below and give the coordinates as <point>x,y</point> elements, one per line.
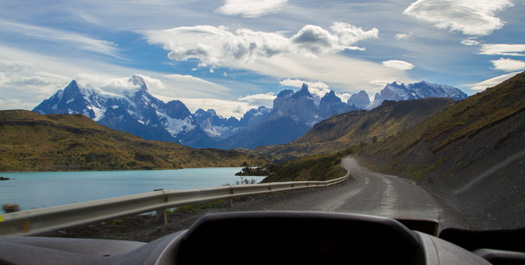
<point>315,167</point>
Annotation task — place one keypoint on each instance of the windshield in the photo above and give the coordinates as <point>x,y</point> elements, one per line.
<point>415,106</point>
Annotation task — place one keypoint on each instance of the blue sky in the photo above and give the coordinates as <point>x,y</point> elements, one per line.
<point>233,55</point>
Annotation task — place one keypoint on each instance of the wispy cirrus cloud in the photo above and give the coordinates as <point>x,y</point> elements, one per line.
<point>476,18</point>
<point>491,82</point>
<point>503,49</point>
<point>250,9</point>
<point>62,37</point>
<point>508,65</point>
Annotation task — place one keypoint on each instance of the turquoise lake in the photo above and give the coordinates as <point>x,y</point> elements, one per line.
<point>33,190</point>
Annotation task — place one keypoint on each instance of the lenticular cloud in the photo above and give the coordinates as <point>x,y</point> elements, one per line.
<point>250,9</point>
<point>471,17</point>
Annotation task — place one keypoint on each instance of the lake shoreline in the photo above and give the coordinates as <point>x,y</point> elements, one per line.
<point>32,190</point>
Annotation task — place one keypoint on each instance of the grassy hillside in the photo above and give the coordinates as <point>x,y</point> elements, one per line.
<point>472,154</point>
<point>34,142</point>
<point>357,127</point>
<point>439,135</point>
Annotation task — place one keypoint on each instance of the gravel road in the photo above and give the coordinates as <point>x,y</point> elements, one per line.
<point>365,192</point>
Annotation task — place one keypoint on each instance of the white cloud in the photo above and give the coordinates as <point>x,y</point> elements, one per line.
<point>13,103</point>
<point>503,49</point>
<point>218,46</point>
<point>299,83</point>
<point>492,82</point>
<point>508,65</point>
<point>314,40</point>
<point>105,84</point>
<point>470,42</point>
<point>402,36</point>
<point>397,64</point>
<point>341,72</point>
<point>250,9</point>
<point>226,108</point>
<point>23,82</point>
<point>176,86</point>
<point>467,16</point>
<point>259,99</point>
<point>350,34</point>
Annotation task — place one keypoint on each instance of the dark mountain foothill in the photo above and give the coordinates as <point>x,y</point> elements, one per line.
<point>60,142</point>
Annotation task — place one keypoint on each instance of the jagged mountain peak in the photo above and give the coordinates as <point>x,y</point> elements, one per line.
<point>72,84</point>
<point>331,97</point>
<point>285,93</point>
<point>302,93</point>
<point>360,100</point>
<point>137,80</point>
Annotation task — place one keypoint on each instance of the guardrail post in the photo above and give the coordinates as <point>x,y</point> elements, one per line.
<point>162,217</point>
<point>231,191</point>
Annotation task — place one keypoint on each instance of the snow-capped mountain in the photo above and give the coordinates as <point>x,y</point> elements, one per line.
<point>254,116</point>
<point>397,92</point>
<point>135,110</point>
<point>216,126</point>
<point>360,100</point>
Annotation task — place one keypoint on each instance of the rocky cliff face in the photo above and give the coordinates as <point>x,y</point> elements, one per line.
<point>331,105</point>
<point>300,106</point>
<point>360,100</point>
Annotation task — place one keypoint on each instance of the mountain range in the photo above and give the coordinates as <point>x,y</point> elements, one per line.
<point>138,112</point>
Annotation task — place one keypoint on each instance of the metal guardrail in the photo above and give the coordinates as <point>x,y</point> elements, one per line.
<point>41,220</point>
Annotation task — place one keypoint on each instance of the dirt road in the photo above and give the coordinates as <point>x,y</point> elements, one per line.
<point>365,192</point>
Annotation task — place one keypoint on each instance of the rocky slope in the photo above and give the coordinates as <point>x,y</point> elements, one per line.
<point>472,154</point>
